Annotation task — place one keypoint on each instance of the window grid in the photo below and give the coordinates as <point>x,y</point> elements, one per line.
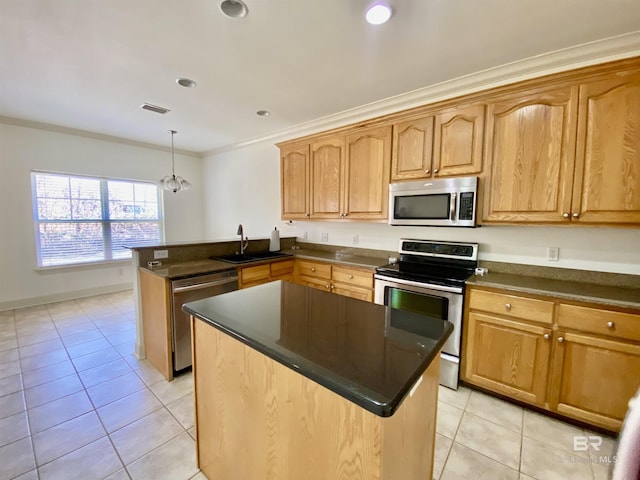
<point>71,228</point>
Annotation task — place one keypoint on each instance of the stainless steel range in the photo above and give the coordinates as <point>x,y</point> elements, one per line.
<point>429,278</point>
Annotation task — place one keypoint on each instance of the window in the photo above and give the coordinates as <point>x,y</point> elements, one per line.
<point>85,219</point>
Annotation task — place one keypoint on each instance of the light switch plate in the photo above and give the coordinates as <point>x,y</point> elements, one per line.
<point>324,237</point>
<point>160,254</point>
<point>553,254</point>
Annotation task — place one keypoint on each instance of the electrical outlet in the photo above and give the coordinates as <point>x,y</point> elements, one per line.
<point>324,237</point>
<point>356,239</point>
<point>553,254</point>
<point>160,254</point>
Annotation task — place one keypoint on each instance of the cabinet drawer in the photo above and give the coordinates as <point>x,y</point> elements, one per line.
<point>314,269</point>
<point>254,274</point>
<point>359,293</point>
<point>604,322</point>
<point>352,276</point>
<point>512,306</point>
<point>281,268</point>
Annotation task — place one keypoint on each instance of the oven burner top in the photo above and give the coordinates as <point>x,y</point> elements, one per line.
<point>433,262</point>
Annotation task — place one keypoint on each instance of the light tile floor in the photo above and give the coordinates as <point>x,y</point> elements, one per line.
<point>481,437</point>
<point>75,403</point>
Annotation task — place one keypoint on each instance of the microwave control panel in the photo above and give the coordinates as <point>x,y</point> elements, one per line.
<point>466,206</point>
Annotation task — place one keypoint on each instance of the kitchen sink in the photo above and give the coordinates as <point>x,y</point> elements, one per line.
<point>251,257</point>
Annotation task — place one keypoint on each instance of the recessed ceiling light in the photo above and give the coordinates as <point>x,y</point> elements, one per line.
<point>234,8</point>
<point>186,82</point>
<point>378,13</point>
<point>263,113</point>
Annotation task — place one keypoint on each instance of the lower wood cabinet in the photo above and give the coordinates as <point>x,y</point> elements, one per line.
<point>268,272</point>
<point>508,356</point>
<point>348,281</point>
<point>584,364</point>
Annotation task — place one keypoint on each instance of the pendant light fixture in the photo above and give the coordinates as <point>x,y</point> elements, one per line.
<point>171,182</point>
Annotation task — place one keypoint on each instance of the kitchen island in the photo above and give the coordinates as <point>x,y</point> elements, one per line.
<point>292,382</point>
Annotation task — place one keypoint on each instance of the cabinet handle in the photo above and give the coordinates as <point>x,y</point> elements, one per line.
<point>331,286</point>
<point>308,214</point>
<point>507,306</point>
<point>560,339</point>
<point>565,215</point>
<point>345,214</point>
<point>427,171</point>
<point>545,336</point>
<point>351,276</point>
<point>327,287</point>
<point>576,215</point>
<point>313,269</point>
<point>611,324</point>
<point>435,170</point>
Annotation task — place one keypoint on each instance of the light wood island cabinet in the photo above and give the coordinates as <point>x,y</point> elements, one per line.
<point>575,359</point>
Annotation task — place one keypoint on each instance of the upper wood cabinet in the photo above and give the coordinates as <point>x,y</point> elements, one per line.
<point>607,187</point>
<point>457,148</point>
<point>366,190</point>
<point>529,154</point>
<point>412,149</point>
<point>294,177</point>
<point>327,174</point>
<point>447,144</point>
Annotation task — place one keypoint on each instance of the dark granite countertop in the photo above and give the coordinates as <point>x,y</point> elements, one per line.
<point>626,297</point>
<point>182,269</point>
<point>352,347</point>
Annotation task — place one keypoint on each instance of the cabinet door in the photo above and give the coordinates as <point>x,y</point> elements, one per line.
<point>508,357</point>
<point>327,166</point>
<point>458,141</point>
<point>252,276</point>
<point>367,174</point>
<point>530,155</point>
<point>294,175</point>
<point>593,379</point>
<point>412,149</point>
<point>607,173</point>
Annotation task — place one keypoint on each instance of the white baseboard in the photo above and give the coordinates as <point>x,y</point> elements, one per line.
<point>60,297</point>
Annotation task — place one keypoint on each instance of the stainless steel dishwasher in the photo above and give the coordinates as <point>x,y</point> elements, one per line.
<point>188,290</point>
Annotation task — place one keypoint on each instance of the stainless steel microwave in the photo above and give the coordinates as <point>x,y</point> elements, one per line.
<point>446,202</point>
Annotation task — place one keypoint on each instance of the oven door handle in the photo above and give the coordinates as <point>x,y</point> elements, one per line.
<point>410,283</point>
<point>452,207</point>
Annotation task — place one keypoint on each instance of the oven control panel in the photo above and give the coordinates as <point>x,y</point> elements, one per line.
<point>467,251</point>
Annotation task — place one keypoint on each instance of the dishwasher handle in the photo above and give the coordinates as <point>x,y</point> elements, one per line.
<point>198,286</point>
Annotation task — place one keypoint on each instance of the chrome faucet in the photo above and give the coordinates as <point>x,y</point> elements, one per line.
<point>244,242</point>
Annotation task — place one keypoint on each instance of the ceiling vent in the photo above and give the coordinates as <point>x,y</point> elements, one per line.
<point>154,108</point>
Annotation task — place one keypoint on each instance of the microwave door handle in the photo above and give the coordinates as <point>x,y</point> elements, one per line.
<point>452,207</point>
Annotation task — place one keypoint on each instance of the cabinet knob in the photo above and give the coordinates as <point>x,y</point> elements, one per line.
<point>327,286</point>
<point>545,336</point>
<point>345,214</point>
<point>507,306</point>
<point>565,215</point>
<point>351,276</point>
<point>611,324</point>
<point>313,269</point>
<point>308,214</point>
<point>435,170</point>
<point>560,339</point>
<point>427,171</point>
<point>576,215</point>
<point>331,286</point>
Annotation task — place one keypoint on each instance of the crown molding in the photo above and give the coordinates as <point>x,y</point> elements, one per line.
<point>584,55</point>
<point>19,122</point>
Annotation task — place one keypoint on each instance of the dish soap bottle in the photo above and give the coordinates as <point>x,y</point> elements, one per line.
<point>274,244</point>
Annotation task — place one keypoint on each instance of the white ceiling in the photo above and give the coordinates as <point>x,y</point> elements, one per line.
<point>90,64</point>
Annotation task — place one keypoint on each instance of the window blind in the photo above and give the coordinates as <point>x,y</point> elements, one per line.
<point>85,219</point>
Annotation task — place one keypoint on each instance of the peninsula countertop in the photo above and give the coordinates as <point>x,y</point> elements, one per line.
<point>369,354</point>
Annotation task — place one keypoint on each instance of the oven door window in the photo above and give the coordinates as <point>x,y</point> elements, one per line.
<point>422,207</point>
<point>424,304</point>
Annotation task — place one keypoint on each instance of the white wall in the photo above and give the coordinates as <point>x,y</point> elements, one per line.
<point>245,187</point>
<point>23,149</point>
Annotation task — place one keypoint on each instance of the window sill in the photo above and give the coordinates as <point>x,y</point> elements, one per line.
<point>81,266</point>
